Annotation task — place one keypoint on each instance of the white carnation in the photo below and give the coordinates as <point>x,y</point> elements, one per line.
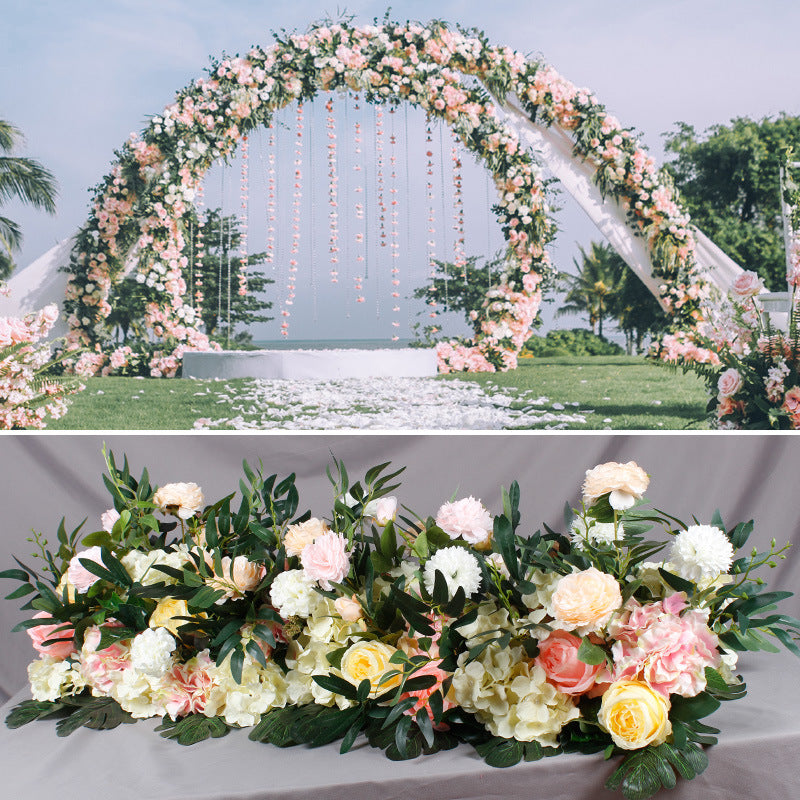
<point>460,569</point>
<point>151,652</point>
<point>603,533</point>
<point>701,552</point>
<point>292,593</point>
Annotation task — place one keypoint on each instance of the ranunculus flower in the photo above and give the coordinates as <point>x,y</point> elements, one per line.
<point>558,657</point>
<point>108,518</point>
<point>326,559</point>
<point>466,519</point>
<point>625,483</point>
<point>183,500</point>
<point>61,631</point>
<point>729,382</point>
<point>299,535</point>
<point>634,715</point>
<point>747,284</point>
<point>383,510</point>
<point>586,599</point>
<point>370,660</point>
<point>165,613</point>
<point>78,575</point>
<point>348,608</point>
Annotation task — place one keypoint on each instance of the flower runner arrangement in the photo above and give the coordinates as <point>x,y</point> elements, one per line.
<point>418,632</point>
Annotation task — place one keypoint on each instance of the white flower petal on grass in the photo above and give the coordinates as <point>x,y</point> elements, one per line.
<point>459,567</point>
<point>701,552</point>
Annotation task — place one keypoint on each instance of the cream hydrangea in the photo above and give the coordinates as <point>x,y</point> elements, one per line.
<point>141,566</point>
<point>511,696</point>
<point>306,658</point>
<point>325,624</point>
<point>261,689</point>
<point>292,593</point>
<point>589,532</point>
<point>701,552</point>
<point>540,602</point>
<point>140,694</point>
<point>51,678</point>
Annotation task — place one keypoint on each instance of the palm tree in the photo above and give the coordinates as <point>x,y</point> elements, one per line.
<point>593,289</point>
<point>23,179</point>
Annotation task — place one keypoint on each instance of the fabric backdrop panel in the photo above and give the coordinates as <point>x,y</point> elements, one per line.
<point>46,477</point>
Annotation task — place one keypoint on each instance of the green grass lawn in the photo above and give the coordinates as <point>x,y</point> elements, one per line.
<point>624,393</point>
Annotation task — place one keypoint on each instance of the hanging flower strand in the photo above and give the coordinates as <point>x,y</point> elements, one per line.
<point>395,242</point>
<point>270,256</point>
<point>333,192</point>
<point>431,242</point>
<point>359,207</point>
<point>200,251</point>
<point>243,218</point>
<point>297,197</point>
<point>459,259</point>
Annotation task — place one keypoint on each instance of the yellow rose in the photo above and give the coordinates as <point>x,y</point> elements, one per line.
<point>164,616</point>
<point>370,660</point>
<point>634,715</point>
<point>64,583</point>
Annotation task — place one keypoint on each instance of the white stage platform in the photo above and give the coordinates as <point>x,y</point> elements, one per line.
<point>311,364</point>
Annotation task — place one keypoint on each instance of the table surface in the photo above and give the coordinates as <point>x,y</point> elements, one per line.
<point>756,757</point>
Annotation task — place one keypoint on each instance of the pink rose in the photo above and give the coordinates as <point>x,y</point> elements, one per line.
<point>108,518</point>
<point>747,284</point>
<point>466,519</point>
<point>729,383</point>
<point>326,559</point>
<point>78,575</point>
<point>62,633</point>
<point>558,657</point>
<point>791,404</point>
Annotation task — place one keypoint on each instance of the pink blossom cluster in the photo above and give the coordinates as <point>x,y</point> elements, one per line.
<point>665,645</point>
<point>26,401</point>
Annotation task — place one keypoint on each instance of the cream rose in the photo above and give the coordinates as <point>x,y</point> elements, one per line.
<point>625,483</point>
<point>634,715</point>
<point>165,613</point>
<point>586,600</point>
<point>303,533</point>
<point>183,500</point>
<point>370,660</point>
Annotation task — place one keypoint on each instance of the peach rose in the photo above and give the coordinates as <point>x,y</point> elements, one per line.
<point>183,500</point>
<point>729,382</point>
<point>624,482</point>
<point>634,715</point>
<point>303,533</point>
<point>62,633</point>
<point>558,657</point>
<point>587,599</point>
<point>238,576</point>
<point>348,608</point>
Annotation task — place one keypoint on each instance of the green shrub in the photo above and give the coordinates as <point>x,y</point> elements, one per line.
<point>575,342</point>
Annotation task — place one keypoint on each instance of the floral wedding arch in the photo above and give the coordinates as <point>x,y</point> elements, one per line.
<point>143,205</point>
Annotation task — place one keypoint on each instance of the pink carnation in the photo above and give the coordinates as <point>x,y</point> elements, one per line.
<point>102,668</point>
<point>669,650</point>
<point>466,519</point>
<point>189,686</point>
<point>61,632</point>
<point>326,559</point>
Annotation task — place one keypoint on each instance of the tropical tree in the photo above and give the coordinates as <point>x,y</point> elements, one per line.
<point>23,179</point>
<point>728,178</point>
<point>593,288</point>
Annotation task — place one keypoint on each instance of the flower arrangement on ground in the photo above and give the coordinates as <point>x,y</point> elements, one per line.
<point>418,632</point>
<point>29,394</point>
<point>751,369</point>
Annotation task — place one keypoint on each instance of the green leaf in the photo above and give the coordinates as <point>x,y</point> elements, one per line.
<point>237,662</point>
<point>30,710</point>
<point>420,547</point>
<point>20,591</point>
<point>676,582</point>
<point>15,575</point>
<point>687,709</point>
<point>193,729</point>
<point>642,774</point>
<point>504,539</point>
<point>741,533</point>
<point>590,653</point>
<point>337,685</point>
<point>500,752</point>
<point>425,726</point>
<point>205,597</point>
<point>97,539</point>
<point>98,713</point>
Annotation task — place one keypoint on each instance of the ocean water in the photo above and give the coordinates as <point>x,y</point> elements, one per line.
<point>330,344</point>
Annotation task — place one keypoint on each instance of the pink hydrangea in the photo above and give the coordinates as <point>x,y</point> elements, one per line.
<point>103,668</point>
<point>188,686</point>
<point>668,649</point>
<point>326,559</point>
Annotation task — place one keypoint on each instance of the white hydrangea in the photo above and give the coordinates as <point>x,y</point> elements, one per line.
<point>292,593</point>
<point>511,696</point>
<point>459,567</point>
<point>602,533</point>
<point>140,566</point>
<point>151,652</point>
<point>701,552</point>
<point>540,602</point>
<point>140,694</point>
<point>51,678</point>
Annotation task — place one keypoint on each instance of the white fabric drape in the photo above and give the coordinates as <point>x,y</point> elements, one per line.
<point>552,147</point>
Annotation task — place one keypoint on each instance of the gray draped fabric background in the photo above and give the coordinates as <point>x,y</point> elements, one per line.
<point>43,478</point>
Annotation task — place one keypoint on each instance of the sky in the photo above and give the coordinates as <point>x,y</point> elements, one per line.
<point>79,77</point>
